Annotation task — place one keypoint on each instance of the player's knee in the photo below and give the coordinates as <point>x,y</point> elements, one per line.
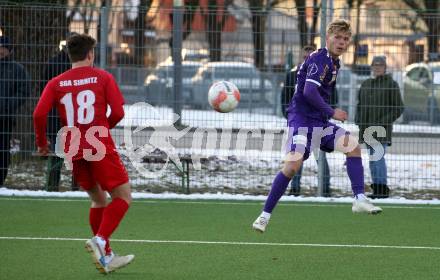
<point>98,197</point>
<point>291,167</point>
<point>122,192</point>
<point>347,145</point>
<point>99,203</point>
<point>288,172</point>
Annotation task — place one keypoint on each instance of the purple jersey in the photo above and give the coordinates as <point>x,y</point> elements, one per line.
<point>320,69</point>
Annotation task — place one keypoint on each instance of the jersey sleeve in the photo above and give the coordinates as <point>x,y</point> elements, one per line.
<point>316,70</point>
<point>41,111</point>
<point>115,100</point>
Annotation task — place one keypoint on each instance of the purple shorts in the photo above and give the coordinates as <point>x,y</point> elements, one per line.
<point>306,136</point>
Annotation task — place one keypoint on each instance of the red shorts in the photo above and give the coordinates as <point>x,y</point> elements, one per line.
<point>108,173</point>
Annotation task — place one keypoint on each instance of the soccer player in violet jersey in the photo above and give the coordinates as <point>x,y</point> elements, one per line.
<point>309,127</point>
<point>81,96</point>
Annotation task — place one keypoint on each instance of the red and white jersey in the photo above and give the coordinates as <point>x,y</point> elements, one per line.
<point>81,96</point>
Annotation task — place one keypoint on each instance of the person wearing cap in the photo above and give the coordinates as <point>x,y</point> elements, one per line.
<point>14,91</point>
<point>56,65</point>
<point>379,104</point>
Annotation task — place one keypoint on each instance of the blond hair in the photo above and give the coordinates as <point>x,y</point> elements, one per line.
<point>339,25</point>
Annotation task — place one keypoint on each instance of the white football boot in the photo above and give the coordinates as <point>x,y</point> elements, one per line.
<point>117,262</point>
<point>96,247</point>
<point>362,205</point>
<point>260,224</point>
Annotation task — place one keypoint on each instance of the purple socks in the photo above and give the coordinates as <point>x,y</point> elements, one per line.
<point>279,186</point>
<point>355,172</point>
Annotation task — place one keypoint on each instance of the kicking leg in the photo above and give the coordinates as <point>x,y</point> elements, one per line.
<point>350,147</point>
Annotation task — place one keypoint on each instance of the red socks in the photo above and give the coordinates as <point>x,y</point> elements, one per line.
<point>95,218</point>
<point>111,217</point>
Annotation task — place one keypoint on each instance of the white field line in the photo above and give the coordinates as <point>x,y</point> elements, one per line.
<point>213,202</point>
<point>228,243</point>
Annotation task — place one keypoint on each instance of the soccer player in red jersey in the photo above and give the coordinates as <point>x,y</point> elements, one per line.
<point>81,96</point>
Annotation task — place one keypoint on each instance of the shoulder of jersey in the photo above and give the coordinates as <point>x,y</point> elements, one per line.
<point>320,54</point>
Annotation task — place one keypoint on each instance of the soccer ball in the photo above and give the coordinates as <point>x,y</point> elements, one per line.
<point>223,96</point>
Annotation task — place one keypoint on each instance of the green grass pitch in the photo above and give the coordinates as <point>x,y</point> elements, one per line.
<point>177,239</point>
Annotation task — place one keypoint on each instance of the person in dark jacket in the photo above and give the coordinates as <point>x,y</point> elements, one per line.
<point>14,91</point>
<point>286,96</point>
<point>379,104</point>
<point>56,65</point>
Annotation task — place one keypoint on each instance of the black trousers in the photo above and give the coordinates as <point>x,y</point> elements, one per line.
<point>6,126</point>
<point>54,166</point>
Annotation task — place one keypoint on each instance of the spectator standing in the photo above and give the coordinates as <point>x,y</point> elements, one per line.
<point>379,104</point>
<point>55,66</point>
<point>14,91</point>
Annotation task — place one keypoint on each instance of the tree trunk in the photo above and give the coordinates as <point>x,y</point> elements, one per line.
<point>432,21</point>
<point>433,42</point>
<point>258,31</point>
<point>429,15</point>
<point>316,9</point>
<point>213,34</point>
<point>139,34</point>
<point>214,21</point>
<point>190,9</point>
<point>356,35</point>
<point>302,21</point>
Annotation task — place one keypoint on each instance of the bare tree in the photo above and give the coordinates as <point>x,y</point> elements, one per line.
<point>316,9</point>
<point>215,18</point>
<point>140,27</point>
<point>86,9</point>
<point>356,38</point>
<point>302,21</point>
<point>306,35</point>
<point>189,11</point>
<point>429,12</point>
<point>258,20</point>
<point>259,11</point>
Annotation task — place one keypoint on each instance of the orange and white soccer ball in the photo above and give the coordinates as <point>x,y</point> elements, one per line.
<point>223,96</point>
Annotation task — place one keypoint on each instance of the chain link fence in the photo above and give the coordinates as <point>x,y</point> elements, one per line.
<point>168,57</point>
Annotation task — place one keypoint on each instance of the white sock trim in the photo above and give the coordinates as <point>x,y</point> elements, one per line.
<point>360,196</point>
<point>265,215</point>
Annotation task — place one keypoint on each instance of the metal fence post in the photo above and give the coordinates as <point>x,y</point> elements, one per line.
<point>104,38</point>
<point>321,153</point>
<point>272,80</point>
<point>177,57</point>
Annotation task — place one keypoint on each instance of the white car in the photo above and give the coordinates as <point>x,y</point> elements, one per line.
<point>255,90</point>
<point>421,85</point>
<point>159,84</point>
